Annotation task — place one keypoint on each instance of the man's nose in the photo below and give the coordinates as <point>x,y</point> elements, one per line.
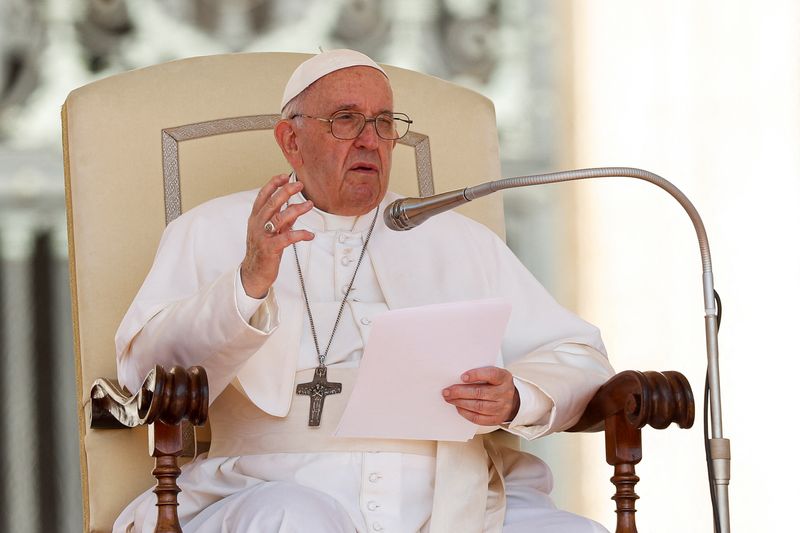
<point>368,138</point>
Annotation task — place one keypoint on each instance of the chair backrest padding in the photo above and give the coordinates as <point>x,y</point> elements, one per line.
<point>128,135</point>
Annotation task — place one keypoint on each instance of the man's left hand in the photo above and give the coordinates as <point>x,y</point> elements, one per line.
<point>488,396</point>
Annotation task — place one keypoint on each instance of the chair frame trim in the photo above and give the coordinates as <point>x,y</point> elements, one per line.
<point>171,138</point>
<point>76,338</point>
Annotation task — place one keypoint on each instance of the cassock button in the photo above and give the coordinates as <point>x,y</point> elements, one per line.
<point>377,527</point>
<point>374,477</point>
<point>344,289</point>
<point>342,237</point>
<point>372,505</point>
<point>366,321</point>
<point>347,260</point>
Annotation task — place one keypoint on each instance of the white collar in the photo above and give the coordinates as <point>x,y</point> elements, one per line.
<point>318,220</point>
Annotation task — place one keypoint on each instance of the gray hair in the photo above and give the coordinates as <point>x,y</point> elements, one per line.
<point>293,106</point>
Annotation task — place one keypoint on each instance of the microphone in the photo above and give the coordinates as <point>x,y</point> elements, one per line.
<point>408,213</point>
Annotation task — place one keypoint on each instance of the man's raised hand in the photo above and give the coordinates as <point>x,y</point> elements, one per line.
<point>487,396</point>
<point>265,243</point>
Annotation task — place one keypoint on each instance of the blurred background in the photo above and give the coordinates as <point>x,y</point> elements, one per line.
<point>701,92</point>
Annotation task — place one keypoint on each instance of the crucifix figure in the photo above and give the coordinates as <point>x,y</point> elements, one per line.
<point>317,389</point>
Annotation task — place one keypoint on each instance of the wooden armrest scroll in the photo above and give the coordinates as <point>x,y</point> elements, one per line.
<point>164,400</point>
<point>168,397</point>
<point>623,406</point>
<point>643,398</point>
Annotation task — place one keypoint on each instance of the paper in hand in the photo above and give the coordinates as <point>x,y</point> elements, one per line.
<point>414,353</point>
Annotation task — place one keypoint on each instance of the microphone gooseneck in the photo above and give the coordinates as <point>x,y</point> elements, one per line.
<point>408,213</point>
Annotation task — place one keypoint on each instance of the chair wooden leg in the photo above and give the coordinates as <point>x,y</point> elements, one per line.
<point>624,405</point>
<point>164,402</point>
<point>166,445</point>
<point>624,451</point>
<point>625,480</point>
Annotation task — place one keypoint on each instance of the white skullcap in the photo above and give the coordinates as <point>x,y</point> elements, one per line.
<point>321,65</point>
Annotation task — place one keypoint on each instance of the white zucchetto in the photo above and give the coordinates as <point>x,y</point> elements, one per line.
<point>321,65</point>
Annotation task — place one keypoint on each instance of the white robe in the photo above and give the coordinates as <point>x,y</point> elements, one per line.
<point>186,313</point>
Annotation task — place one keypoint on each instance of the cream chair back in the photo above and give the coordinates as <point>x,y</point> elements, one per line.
<point>143,146</point>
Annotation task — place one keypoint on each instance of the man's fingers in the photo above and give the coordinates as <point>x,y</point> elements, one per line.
<point>482,407</point>
<point>472,392</point>
<point>275,202</point>
<point>477,418</point>
<point>486,374</point>
<point>267,191</point>
<point>264,248</point>
<point>286,239</point>
<point>285,219</point>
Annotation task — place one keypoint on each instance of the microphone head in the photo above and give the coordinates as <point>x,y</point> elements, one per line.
<point>396,218</point>
<point>408,213</point>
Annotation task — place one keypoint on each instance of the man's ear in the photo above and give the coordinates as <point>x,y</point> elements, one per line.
<point>286,138</point>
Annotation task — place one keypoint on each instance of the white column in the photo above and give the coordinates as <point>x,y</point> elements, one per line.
<point>18,405</point>
<point>66,415</point>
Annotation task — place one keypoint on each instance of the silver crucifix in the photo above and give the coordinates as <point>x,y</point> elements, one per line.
<point>317,389</point>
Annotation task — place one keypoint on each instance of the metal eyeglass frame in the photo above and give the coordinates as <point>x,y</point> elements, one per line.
<point>402,117</point>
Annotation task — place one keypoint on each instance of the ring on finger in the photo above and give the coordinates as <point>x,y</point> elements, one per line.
<point>270,227</point>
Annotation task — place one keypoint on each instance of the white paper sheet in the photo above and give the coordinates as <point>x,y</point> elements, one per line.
<point>411,355</point>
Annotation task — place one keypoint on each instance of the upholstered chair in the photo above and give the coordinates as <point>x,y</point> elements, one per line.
<point>142,147</point>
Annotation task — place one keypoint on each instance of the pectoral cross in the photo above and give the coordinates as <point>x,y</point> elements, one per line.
<point>317,389</point>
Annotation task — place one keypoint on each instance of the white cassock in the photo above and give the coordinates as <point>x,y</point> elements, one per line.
<point>190,312</point>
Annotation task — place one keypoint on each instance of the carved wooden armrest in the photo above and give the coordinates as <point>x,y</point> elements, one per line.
<point>623,406</point>
<point>163,402</point>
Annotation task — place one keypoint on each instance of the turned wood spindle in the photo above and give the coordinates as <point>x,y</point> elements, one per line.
<point>625,480</point>
<point>166,445</point>
<point>623,452</point>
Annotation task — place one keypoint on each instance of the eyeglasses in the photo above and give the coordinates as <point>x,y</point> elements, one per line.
<point>347,125</point>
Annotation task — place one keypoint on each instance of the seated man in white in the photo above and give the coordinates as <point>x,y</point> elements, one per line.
<point>266,288</point>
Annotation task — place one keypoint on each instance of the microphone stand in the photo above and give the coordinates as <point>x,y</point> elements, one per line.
<point>410,212</point>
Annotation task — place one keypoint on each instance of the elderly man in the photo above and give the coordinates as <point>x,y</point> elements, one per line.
<point>268,289</point>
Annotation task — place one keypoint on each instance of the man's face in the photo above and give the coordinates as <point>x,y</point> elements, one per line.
<point>344,177</point>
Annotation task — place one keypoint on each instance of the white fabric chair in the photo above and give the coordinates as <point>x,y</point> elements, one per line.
<point>143,146</point>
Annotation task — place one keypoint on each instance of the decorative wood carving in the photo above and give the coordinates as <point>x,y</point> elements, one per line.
<point>163,402</point>
<point>623,406</point>
<point>180,394</point>
<point>643,398</point>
